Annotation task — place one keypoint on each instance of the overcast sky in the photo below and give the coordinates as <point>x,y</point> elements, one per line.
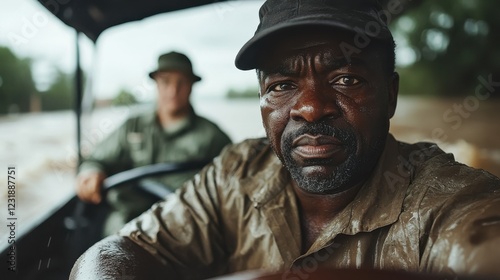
<point>123,56</point>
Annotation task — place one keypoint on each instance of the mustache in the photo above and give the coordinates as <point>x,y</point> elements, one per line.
<point>345,136</point>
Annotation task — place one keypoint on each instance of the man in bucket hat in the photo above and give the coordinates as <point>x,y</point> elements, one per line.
<point>171,133</point>
<point>329,186</point>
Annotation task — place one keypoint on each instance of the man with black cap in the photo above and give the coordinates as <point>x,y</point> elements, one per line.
<point>329,186</point>
<point>172,133</point>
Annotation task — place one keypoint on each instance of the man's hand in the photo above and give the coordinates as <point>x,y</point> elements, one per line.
<point>88,186</point>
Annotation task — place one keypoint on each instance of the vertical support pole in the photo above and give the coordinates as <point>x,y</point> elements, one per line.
<point>78,97</point>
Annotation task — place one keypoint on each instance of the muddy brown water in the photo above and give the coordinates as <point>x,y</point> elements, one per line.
<point>467,127</point>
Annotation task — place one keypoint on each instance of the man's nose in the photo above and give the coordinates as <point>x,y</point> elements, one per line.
<point>315,104</point>
<point>174,88</point>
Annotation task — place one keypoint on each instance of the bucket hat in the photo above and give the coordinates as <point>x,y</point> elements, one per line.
<point>174,61</point>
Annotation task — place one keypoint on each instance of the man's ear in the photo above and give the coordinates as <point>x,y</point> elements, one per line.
<point>393,93</point>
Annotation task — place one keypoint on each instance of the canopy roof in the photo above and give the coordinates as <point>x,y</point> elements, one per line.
<point>92,17</point>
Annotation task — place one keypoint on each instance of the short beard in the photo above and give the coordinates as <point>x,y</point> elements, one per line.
<point>344,175</point>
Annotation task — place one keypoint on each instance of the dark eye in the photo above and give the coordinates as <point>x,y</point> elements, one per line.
<point>282,87</point>
<point>346,81</point>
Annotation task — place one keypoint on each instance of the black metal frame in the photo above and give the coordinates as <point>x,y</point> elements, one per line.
<point>92,17</point>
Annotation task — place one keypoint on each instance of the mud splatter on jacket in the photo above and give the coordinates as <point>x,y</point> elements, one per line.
<point>419,211</point>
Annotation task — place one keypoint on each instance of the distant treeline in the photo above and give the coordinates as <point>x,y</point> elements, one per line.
<point>454,45</point>
<point>18,93</point>
<point>252,92</point>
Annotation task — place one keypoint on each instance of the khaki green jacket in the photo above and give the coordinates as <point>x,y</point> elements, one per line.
<point>142,141</point>
<point>419,211</point>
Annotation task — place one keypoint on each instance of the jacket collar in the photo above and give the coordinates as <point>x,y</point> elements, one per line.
<point>182,126</point>
<point>380,200</point>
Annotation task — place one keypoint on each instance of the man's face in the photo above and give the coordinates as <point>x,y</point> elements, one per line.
<point>174,88</point>
<point>326,116</point>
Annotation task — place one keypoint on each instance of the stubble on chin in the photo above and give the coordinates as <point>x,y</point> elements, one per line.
<point>313,182</point>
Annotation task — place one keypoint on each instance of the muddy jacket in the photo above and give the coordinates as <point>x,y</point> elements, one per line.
<point>419,211</point>
<point>142,141</point>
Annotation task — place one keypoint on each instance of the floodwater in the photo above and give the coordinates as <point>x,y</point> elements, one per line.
<point>43,150</point>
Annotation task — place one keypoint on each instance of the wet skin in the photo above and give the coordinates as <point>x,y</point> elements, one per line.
<point>327,119</point>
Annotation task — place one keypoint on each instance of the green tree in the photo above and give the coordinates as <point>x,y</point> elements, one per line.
<point>251,92</point>
<point>453,43</point>
<point>124,97</point>
<point>16,82</point>
<point>59,96</point>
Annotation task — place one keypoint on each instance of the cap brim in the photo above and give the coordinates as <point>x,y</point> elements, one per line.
<point>194,77</point>
<point>247,57</point>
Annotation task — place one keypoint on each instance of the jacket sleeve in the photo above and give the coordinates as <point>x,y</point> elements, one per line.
<point>184,232</point>
<point>110,156</point>
<point>470,245</point>
<point>465,234</point>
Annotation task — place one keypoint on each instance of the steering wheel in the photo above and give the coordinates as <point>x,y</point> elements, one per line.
<point>79,220</point>
<point>153,188</point>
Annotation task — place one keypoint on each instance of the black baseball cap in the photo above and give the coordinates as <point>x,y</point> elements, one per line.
<point>277,16</point>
